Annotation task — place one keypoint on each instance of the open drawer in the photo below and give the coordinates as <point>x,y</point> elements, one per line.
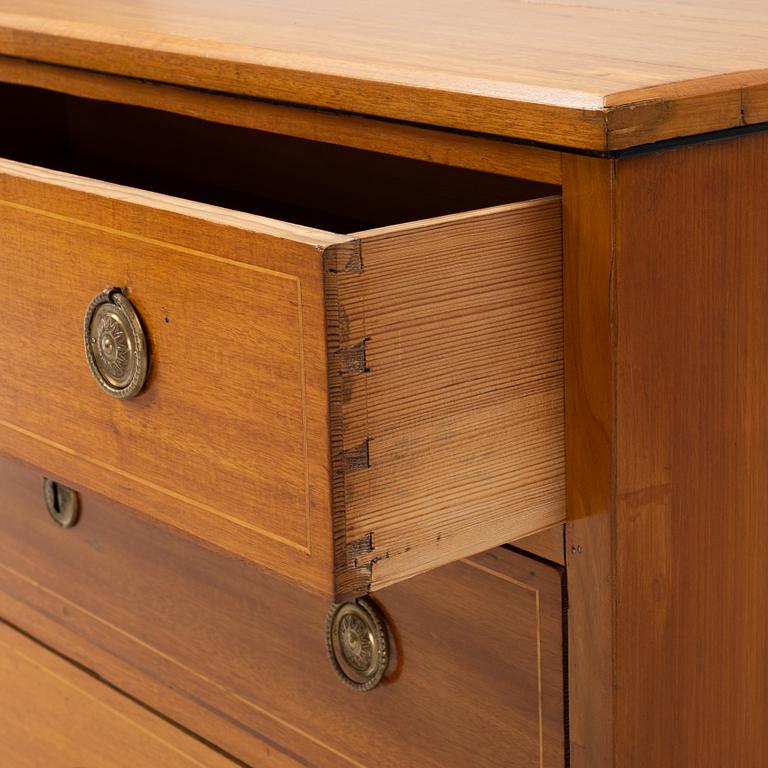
<point>347,410</point>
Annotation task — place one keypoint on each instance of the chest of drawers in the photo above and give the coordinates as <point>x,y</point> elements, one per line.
<point>417,348</point>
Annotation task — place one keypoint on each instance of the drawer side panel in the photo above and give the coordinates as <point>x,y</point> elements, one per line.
<point>454,418</point>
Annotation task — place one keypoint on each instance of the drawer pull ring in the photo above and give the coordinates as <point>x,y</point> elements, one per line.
<point>358,643</point>
<point>115,345</point>
<point>62,502</point>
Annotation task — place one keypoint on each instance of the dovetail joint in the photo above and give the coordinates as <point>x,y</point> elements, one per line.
<point>358,547</point>
<point>356,458</point>
<point>352,257</point>
<point>352,359</point>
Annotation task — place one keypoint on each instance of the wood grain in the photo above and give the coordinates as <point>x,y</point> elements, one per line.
<point>229,441</point>
<point>588,261</point>
<point>691,447</point>
<point>56,715</point>
<point>549,544</point>
<point>613,74</point>
<point>238,656</point>
<point>458,405</point>
<point>394,139</point>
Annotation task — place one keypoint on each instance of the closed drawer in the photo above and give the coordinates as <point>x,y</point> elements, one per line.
<point>238,655</point>
<point>55,715</point>
<point>345,409</point>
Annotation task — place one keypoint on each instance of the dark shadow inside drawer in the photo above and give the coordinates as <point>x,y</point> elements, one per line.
<point>304,182</point>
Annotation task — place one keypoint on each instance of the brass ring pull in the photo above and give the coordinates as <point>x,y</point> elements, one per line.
<point>358,643</point>
<point>115,345</point>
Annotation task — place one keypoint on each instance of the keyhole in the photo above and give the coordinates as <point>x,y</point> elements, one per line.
<point>63,503</point>
<point>56,500</point>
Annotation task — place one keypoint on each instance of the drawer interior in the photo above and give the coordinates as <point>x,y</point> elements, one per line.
<point>325,186</point>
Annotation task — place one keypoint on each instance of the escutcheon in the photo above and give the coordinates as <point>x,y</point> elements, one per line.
<point>358,643</point>
<point>115,345</point>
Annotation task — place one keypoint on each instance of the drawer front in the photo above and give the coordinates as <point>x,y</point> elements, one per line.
<point>229,438</point>
<point>348,411</point>
<point>55,715</point>
<point>238,656</point>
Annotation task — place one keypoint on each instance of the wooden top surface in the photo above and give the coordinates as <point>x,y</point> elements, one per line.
<point>611,74</point>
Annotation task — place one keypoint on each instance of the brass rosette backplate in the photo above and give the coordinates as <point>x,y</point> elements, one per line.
<point>115,345</point>
<point>358,643</point>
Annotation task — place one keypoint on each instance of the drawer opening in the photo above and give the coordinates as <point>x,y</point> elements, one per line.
<point>325,186</point>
